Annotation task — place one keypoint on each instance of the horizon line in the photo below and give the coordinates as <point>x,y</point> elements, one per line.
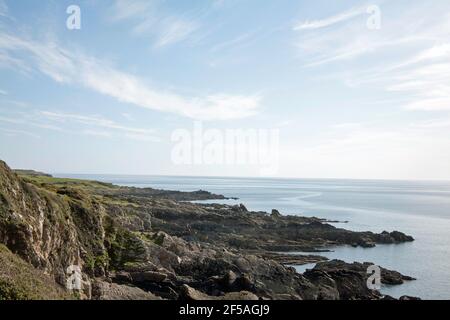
<point>242,177</point>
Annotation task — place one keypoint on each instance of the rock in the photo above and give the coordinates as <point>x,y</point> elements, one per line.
<point>408,298</point>
<point>326,285</point>
<point>287,297</point>
<point>242,295</point>
<point>142,266</point>
<point>243,283</point>
<point>242,208</point>
<point>400,237</point>
<point>121,277</point>
<point>367,244</point>
<point>275,213</point>
<point>341,284</point>
<point>188,293</point>
<point>48,229</point>
<point>110,291</point>
<point>228,279</point>
<point>239,208</point>
<point>242,264</point>
<point>191,294</point>
<point>393,237</point>
<point>148,276</point>
<point>350,278</point>
<point>293,259</point>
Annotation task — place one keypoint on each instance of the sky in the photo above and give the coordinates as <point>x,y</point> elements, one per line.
<point>352,89</point>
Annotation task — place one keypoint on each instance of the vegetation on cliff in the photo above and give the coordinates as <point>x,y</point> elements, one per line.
<point>21,281</point>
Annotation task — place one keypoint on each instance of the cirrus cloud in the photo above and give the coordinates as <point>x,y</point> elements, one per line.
<point>69,67</point>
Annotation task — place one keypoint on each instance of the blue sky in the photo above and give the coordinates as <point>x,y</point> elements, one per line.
<point>348,101</point>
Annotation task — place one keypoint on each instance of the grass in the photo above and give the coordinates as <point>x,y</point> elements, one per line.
<point>116,201</point>
<point>43,181</point>
<point>95,188</point>
<point>21,281</point>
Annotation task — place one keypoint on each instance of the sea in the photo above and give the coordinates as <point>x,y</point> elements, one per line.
<point>418,208</point>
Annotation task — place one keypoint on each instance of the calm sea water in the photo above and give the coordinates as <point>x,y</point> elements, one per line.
<point>421,209</point>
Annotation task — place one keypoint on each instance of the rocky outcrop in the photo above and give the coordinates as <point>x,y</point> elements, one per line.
<point>37,225</point>
<point>387,276</point>
<point>132,243</point>
<point>165,194</point>
<point>293,259</point>
<point>190,294</point>
<point>393,237</point>
<point>235,227</point>
<point>275,213</point>
<point>102,290</point>
<point>340,280</point>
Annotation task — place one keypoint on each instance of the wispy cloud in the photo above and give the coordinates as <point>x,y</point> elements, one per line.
<point>7,103</point>
<point>416,53</point>
<point>150,18</point>
<point>3,9</point>
<point>101,122</point>
<point>68,67</point>
<point>125,9</point>
<point>28,120</point>
<point>9,62</point>
<point>70,123</point>
<point>3,92</point>
<point>240,40</point>
<point>340,17</point>
<point>353,39</point>
<point>11,120</point>
<point>14,132</point>
<point>97,133</point>
<point>435,52</point>
<point>425,77</point>
<point>174,30</point>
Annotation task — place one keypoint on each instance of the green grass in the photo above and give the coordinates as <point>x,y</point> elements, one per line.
<point>116,201</point>
<point>70,187</point>
<point>65,182</point>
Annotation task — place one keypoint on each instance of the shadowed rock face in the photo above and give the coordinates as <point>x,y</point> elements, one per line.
<point>144,244</point>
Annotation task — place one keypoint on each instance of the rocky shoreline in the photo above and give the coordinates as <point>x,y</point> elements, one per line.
<point>133,243</point>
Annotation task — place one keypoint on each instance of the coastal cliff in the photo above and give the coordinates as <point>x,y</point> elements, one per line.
<point>132,243</point>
